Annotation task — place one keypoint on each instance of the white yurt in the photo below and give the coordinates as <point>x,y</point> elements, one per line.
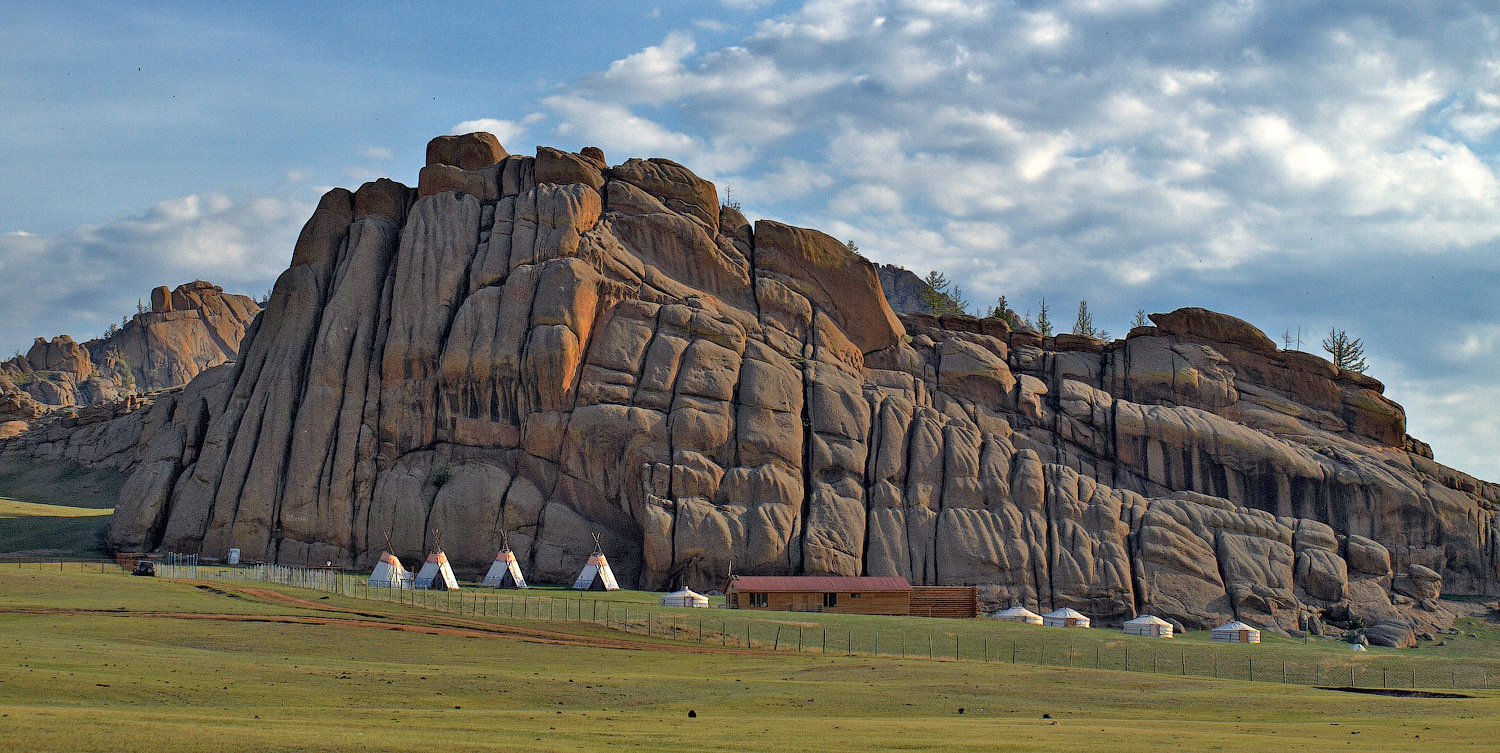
<point>596,575</point>
<point>687,597</point>
<point>436,574</point>
<point>1148,625</point>
<point>1235,632</point>
<point>389,573</point>
<point>1018,614</point>
<point>1065,617</point>
<point>505,571</point>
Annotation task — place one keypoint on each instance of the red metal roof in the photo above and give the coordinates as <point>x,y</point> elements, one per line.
<point>820,583</point>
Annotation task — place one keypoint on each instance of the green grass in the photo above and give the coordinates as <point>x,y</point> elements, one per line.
<point>51,530</point>
<point>58,482</point>
<point>131,681</point>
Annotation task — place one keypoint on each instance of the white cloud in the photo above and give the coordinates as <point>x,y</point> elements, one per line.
<point>78,281</point>
<point>507,131</point>
<point>382,153</point>
<point>1232,154</point>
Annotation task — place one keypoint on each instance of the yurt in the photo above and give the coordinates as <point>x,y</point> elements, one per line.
<point>436,574</point>
<point>1018,614</point>
<point>1065,617</point>
<point>505,571</point>
<point>1147,625</point>
<point>596,575</point>
<point>687,597</point>
<point>1235,632</point>
<point>389,573</point>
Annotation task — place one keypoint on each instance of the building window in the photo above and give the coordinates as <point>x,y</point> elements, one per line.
<point>830,601</point>
<point>758,600</point>
<point>854,596</point>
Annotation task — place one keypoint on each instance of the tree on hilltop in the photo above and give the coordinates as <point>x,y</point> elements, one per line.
<point>1348,352</point>
<point>1043,323</point>
<point>938,299</point>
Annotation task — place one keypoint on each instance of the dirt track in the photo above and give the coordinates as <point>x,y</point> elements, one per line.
<point>434,624</point>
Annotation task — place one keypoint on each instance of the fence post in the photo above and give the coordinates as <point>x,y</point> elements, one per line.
<point>1384,677</point>
<point>1283,670</point>
<point>955,648</point>
<point>877,643</point>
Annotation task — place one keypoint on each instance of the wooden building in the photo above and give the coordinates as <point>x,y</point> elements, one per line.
<point>849,595</point>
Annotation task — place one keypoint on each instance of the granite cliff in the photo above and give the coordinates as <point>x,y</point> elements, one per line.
<point>186,330</point>
<point>550,346</point>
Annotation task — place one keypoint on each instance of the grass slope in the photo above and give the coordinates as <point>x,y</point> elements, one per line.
<point>58,482</point>
<point>147,679</point>
<point>51,530</point>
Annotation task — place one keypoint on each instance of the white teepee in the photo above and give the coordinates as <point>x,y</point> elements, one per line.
<point>389,573</point>
<point>436,574</point>
<point>596,575</point>
<point>505,571</point>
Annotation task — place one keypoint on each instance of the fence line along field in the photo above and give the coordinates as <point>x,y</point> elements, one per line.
<point>91,659</point>
<point>1472,661</point>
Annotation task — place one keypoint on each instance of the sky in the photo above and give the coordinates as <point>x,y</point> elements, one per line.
<point>1303,165</point>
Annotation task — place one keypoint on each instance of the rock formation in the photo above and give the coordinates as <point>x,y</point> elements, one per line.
<point>903,289</point>
<point>189,329</point>
<point>551,347</point>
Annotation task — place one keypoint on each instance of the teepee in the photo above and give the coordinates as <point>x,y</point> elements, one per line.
<point>436,574</point>
<point>596,575</point>
<point>389,573</point>
<point>505,571</point>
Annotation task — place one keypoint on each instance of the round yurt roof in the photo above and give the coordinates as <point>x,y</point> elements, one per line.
<point>1147,619</point>
<point>686,593</point>
<point>1016,612</point>
<point>1066,612</point>
<point>1236,625</point>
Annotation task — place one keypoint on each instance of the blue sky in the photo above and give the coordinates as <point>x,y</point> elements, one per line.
<point>1298,164</point>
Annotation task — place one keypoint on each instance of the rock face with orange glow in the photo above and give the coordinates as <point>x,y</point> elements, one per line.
<point>551,347</point>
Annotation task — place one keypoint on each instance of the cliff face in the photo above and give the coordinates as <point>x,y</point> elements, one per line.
<point>189,329</point>
<point>552,347</point>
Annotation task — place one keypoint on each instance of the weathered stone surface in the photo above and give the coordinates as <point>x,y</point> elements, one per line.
<point>469,151</point>
<point>189,329</point>
<point>558,356</point>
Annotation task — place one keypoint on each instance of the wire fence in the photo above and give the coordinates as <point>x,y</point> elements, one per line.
<point>769,634</point>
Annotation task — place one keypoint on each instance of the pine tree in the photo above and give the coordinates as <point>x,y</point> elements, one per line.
<point>956,302</point>
<point>1085,323</point>
<point>1003,312</point>
<point>852,247</point>
<point>1140,319</point>
<point>1043,324</point>
<point>935,295</point>
<point>1348,352</point>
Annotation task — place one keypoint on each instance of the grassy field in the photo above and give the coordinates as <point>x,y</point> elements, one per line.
<point>51,530</point>
<point>60,483</point>
<point>101,661</point>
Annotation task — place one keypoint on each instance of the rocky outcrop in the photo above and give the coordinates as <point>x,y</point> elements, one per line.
<point>551,348</point>
<point>903,289</point>
<point>187,330</point>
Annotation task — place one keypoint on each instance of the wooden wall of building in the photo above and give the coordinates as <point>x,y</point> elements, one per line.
<point>877,602</point>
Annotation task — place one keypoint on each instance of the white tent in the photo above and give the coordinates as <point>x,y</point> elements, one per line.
<point>1018,614</point>
<point>389,573</point>
<point>1065,617</point>
<point>505,571</point>
<point>1235,632</point>
<point>1358,647</point>
<point>596,575</point>
<point>436,574</point>
<point>1148,625</point>
<point>687,597</point>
